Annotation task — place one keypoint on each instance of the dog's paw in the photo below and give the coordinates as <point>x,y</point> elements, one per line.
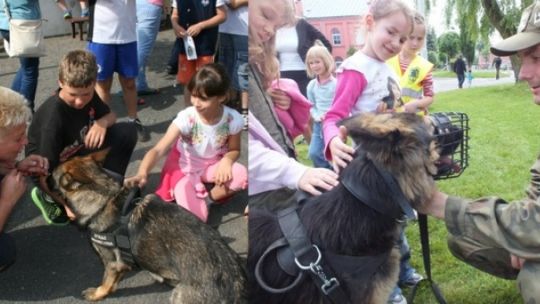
<point>91,294</point>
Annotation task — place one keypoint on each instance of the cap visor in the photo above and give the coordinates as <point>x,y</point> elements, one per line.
<point>516,43</point>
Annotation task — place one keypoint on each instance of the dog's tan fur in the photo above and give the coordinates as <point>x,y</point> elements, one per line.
<point>167,240</point>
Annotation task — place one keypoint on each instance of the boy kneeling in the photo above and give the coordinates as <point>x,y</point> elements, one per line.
<point>75,121</point>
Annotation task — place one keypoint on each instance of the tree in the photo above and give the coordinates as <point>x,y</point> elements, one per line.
<point>448,43</point>
<point>431,40</point>
<point>478,18</point>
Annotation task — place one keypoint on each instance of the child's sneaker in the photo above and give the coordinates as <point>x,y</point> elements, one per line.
<point>67,15</point>
<point>51,211</point>
<point>200,190</point>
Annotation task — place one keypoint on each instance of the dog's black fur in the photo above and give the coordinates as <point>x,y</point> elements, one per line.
<point>339,223</point>
<point>166,240</point>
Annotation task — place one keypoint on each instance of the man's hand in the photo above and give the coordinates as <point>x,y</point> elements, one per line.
<point>33,165</point>
<point>516,261</point>
<point>12,187</point>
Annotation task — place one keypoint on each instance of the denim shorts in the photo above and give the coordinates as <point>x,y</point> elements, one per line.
<point>233,53</point>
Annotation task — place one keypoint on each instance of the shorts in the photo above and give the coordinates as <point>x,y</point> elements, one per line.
<point>243,79</point>
<point>188,68</point>
<point>120,58</point>
<point>233,53</point>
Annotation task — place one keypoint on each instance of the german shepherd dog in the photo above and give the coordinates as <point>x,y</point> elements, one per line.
<point>166,240</point>
<point>341,224</point>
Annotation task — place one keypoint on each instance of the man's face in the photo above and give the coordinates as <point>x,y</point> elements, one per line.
<point>530,70</point>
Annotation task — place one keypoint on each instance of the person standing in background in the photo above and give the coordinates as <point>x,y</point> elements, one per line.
<point>26,79</point>
<point>233,49</point>
<point>148,21</point>
<point>198,20</point>
<point>459,68</point>
<point>112,37</point>
<point>292,44</point>
<point>497,63</point>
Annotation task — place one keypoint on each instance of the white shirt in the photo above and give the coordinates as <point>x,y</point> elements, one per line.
<point>236,22</point>
<point>202,143</point>
<point>287,47</point>
<point>114,22</point>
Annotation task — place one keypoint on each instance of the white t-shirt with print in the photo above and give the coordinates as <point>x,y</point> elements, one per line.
<point>201,144</point>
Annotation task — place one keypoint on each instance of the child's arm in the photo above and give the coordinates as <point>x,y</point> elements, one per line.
<point>349,87</point>
<point>152,156</point>
<point>96,134</point>
<point>221,15</point>
<point>223,172</point>
<point>234,4</point>
<point>427,96</point>
<point>179,31</point>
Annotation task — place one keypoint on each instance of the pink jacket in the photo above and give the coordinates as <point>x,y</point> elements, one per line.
<point>296,118</point>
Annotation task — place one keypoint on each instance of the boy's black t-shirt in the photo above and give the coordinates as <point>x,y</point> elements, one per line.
<point>57,130</point>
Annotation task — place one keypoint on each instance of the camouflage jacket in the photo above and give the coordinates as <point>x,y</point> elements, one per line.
<point>484,233</point>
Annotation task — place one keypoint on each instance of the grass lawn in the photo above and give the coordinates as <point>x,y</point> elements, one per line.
<point>504,142</point>
<point>476,74</point>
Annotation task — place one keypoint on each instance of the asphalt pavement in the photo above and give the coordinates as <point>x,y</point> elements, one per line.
<point>54,264</point>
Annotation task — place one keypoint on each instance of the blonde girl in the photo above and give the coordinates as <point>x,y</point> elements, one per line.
<point>363,77</point>
<point>320,91</point>
<point>414,72</point>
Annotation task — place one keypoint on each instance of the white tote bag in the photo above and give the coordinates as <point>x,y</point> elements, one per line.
<point>25,37</point>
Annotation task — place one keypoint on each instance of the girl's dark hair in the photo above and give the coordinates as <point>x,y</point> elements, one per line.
<point>210,80</point>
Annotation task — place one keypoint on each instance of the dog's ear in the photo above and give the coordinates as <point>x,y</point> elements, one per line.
<point>387,129</point>
<point>76,173</point>
<point>99,156</point>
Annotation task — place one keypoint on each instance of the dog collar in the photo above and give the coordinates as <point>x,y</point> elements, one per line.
<point>117,236</point>
<point>366,196</point>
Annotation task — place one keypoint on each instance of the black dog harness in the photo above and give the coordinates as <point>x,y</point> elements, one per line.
<point>117,236</point>
<point>296,254</point>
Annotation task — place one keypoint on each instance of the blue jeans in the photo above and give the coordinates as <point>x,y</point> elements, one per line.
<point>26,79</point>
<point>233,52</point>
<point>316,147</point>
<point>148,20</point>
<point>405,268</point>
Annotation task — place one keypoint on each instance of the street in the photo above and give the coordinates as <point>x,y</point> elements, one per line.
<point>55,264</point>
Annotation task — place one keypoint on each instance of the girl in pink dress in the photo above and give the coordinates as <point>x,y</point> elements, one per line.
<point>206,145</point>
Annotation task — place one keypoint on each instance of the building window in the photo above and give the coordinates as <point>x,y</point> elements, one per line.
<point>336,37</point>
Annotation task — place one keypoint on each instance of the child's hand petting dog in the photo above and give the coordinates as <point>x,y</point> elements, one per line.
<point>95,136</point>
<point>138,180</point>
<point>341,152</point>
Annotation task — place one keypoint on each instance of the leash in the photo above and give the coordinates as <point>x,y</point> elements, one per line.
<point>119,237</point>
<point>424,238</point>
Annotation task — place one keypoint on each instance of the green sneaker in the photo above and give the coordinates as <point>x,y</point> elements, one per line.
<point>67,15</point>
<point>53,213</point>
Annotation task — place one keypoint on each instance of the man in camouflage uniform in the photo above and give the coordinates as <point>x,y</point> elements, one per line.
<point>489,233</point>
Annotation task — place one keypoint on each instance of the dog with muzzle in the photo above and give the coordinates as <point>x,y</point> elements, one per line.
<point>341,246</point>
<point>164,239</point>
